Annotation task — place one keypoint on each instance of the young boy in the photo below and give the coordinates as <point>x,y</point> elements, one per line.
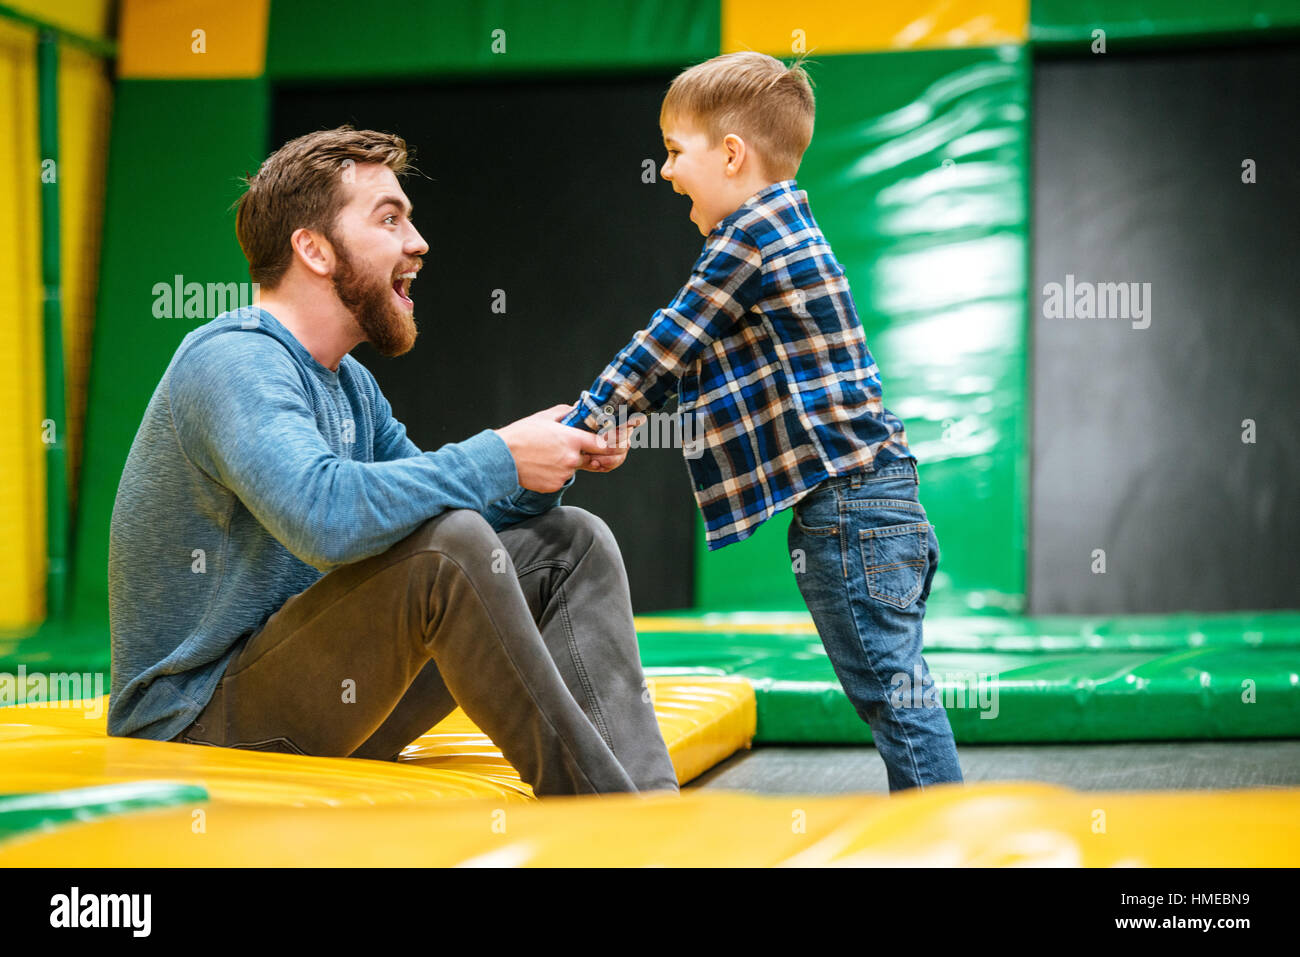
<point>764,346</point>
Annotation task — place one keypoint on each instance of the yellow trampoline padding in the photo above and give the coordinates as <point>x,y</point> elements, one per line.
<point>704,719</point>
<point>970,825</point>
<point>54,747</point>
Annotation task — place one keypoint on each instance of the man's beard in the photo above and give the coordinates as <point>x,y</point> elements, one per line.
<point>386,327</point>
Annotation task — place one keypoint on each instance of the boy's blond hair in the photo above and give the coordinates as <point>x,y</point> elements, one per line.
<point>766,103</point>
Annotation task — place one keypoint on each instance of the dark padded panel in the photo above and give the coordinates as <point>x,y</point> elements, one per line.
<point>534,188</point>
<point>1137,436</point>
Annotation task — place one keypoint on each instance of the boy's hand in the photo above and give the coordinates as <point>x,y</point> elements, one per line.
<point>618,439</point>
<point>547,453</point>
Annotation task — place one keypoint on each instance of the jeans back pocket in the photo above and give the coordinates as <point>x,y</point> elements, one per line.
<point>895,559</point>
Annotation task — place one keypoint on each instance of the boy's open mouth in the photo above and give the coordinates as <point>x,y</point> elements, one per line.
<point>402,289</point>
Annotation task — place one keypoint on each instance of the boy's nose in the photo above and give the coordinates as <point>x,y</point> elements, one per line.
<point>666,171</point>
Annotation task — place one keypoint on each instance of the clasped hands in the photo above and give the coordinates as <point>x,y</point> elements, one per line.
<point>547,453</point>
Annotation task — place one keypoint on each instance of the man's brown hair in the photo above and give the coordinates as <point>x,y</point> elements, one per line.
<point>300,186</point>
<point>768,104</point>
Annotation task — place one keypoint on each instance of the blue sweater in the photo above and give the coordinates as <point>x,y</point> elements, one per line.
<point>256,470</point>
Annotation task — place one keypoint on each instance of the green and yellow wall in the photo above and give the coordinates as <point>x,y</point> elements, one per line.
<point>84,108</point>
<point>918,172</point>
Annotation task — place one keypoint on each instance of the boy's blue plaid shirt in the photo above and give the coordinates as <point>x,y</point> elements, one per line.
<point>764,344</point>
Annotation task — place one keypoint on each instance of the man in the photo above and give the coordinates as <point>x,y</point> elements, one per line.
<point>289,572</point>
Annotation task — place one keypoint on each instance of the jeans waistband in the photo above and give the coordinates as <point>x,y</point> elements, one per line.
<point>901,468</point>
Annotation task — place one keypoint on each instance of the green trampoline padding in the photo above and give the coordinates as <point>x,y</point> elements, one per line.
<point>1040,679</point>
<point>1021,679</point>
<point>24,813</point>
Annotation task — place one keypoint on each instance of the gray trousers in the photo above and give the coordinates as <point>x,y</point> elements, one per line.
<point>529,630</point>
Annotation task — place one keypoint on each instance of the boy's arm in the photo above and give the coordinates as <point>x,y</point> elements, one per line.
<point>723,286</point>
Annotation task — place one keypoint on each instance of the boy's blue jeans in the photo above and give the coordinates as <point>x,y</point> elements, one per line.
<point>868,558</point>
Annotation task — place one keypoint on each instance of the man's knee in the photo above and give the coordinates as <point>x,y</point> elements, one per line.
<point>585,531</point>
<point>581,525</point>
<point>460,533</point>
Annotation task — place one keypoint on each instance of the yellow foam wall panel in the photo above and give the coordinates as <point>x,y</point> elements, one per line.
<point>782,29</point>
<point>85,98</point>
<point>22,381</point>
<point>87,17</point>
<point>208,39</point>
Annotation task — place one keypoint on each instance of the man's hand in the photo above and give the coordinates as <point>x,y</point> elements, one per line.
<point>547,453</point>
<point>618,440</point>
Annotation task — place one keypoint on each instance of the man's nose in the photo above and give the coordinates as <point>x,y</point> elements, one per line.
<point>416,245</point>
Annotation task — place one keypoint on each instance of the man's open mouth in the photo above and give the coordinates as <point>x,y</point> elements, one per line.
<point>402,287</point>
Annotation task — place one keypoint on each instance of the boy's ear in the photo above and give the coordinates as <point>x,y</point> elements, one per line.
<point>736,152</point>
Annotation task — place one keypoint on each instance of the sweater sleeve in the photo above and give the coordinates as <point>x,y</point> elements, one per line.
<point>522,505</point>
<point>243,416</point>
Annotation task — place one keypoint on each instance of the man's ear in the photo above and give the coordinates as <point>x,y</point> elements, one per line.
<point>736,153</point>
<point>313,250</point>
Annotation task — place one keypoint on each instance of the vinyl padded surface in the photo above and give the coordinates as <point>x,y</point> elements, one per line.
<point>48,749</point>
<point>1020,679</point>
<point>980,825</point>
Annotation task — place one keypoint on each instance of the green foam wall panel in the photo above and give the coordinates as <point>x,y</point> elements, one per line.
<point>176,152</point>
<point>918,176</point>
<point>396,38</point>
<point>1135,23</point>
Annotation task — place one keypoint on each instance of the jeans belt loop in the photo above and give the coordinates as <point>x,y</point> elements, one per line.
<point>855,480</point>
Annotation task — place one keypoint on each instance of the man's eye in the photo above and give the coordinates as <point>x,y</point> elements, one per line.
<point>388,217</point>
